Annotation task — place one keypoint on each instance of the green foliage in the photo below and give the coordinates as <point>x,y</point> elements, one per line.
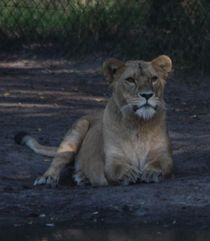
<point>134,28</point>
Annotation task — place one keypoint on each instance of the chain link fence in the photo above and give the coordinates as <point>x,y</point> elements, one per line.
<point>133,29</point>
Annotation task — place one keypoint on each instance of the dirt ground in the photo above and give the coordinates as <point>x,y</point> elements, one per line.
<point>44,97</point>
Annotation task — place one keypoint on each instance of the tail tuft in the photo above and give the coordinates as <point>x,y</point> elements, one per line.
<point>20,136</point>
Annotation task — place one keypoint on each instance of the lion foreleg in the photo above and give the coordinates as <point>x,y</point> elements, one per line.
<point>158,166</point>
<point>121,171</point>
<point>65,153</point>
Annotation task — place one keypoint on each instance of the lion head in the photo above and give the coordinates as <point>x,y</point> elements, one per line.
<point>138,86</point>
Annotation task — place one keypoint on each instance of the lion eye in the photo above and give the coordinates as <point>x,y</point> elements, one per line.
<point>154,78</point>
<point>130,80</point>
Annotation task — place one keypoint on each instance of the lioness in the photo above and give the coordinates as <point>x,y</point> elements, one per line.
<point>124,143</point>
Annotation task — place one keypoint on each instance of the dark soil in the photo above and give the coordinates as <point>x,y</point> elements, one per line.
<point>44,97</point>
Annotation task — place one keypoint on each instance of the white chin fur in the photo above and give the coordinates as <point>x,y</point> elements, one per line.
<point>145,113</point>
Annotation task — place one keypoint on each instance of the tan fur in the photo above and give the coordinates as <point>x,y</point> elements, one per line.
<point>38,148</point>
<point>126,142</point>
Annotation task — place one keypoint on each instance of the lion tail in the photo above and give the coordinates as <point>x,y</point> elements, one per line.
<point>23,138</point>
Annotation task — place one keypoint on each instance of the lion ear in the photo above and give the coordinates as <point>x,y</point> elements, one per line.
<point>162,64</point>
<point>111,67</point>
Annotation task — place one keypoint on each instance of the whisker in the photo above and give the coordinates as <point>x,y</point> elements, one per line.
<point>126,108</point>
<point>133,101</point>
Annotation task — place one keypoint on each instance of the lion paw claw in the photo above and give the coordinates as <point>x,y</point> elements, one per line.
<point>131,176</point>
<point>46,180</point>
<point>152,175</point>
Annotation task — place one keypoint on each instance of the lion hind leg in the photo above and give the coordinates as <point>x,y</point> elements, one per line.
<point>65,153</point>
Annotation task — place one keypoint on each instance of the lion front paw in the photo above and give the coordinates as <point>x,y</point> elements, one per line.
<point>152,174</point>
<point>52,181</point>
<point>131,175</point>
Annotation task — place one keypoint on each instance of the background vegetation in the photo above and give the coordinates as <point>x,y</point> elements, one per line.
<point>134,28</point>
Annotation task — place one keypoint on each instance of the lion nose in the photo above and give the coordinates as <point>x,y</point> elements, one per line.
<point>147,95</point>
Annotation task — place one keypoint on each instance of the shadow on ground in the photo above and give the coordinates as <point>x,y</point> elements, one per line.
<point>44,97</point>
